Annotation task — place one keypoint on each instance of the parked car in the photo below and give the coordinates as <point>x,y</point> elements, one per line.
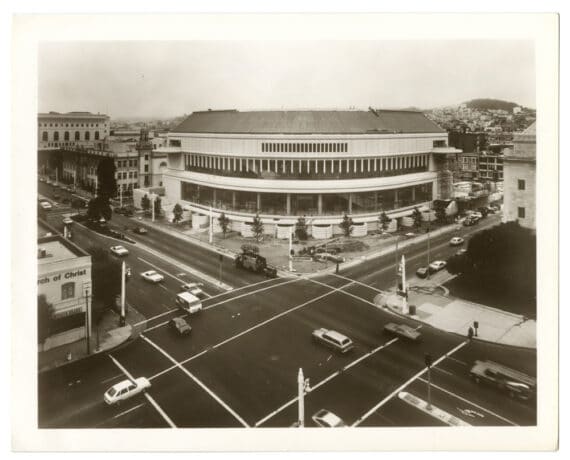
<point>152,276</point>
<point>327,419</point>
<point>422,272</point>
<point>437,265</point>
<point>333,339</point>
<point>140,230</point>
<point>456,241</point>
<point>461,252</point>
<point>180,326</point>
<point>67,221</point>
<point>402,330</point>
<point>119,251</point>
<point>469,221</point>
<point>125,390</point>
<point>477,215</point>
<point>194,289</point>
<point>270,271</point>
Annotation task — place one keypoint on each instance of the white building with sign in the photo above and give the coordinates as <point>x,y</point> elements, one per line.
<point>64,278</point>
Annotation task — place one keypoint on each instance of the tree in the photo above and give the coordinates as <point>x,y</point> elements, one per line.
<point>157,206</point>
<point>257,228</point>
<point>440,214</point>
<point>417,216</point>
<point>224,222</point>
<point>45,311</point>
<point>99,207</point>
<point>145,203</point>
<point>384,221</point>
<point>346,225</point>
<point>106,182</point>
<point>106,280</point>
<point>177,211</point>
<point>301,229</point>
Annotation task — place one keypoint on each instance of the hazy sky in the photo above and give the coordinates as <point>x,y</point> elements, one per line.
<point>164,79</point>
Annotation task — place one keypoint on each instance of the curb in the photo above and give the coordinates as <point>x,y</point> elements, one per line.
<point>478,339</point>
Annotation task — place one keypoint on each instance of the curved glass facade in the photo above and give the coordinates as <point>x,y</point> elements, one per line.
<point>321,204</point>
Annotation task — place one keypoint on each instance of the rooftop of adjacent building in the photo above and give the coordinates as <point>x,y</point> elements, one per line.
<point>77,114</point>
<point>372,121</point>
<point>53,247</point>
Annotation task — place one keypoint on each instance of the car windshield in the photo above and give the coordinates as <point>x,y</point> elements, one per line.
<point>112,391</point>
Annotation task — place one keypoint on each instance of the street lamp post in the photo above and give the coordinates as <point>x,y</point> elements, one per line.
<point>152,202</point>
<point>211,232</point>
<point>123,286</point>
<point>291,250</point>
<point>302,386</point>
<point>87,322</point>
<point>428,362</point>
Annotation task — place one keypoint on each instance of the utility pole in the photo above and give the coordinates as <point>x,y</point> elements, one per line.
<point>87,322</point>
<point>405,310</point>
<point>211,232</point>
<point>428,362</point>
<point>302,386</point>
<point>291,250</point>
<point>123,274</point>
<point>152,205</point>
<point>120,196</point>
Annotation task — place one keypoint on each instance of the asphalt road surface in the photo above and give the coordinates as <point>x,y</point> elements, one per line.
<point>239,366</point>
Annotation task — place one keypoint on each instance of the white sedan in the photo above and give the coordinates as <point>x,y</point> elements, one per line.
<point>194,289</point>
<point>327,419</point>
<point>437,266</point>
<point>152,276</point>
<point>456,241</point>
<point>119,251</point>
<point>45,205</point>
<point>125,390</point>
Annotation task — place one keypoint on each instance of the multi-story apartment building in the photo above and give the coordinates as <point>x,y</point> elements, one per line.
<point>520,179</point>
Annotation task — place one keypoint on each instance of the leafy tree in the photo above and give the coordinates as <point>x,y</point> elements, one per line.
<point>440,214</point>
<point>177,211</point>
<point>250,248</point>
<point>99,207</point>
<point>106,182</point>
<point>45,311</point>
<point>224,222</point>
<point>384,221</point>
<point>417,216</point>
<point>301,229</point>
<point>106,280</point>
<point>257,228</point>
<point>145,203</point>
<point>346,225</point>
<point>157,206</point>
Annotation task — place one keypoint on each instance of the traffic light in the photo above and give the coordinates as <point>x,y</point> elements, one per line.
<point>428,360</point>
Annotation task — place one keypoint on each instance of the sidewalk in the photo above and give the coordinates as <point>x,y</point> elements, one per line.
<point>110,335</point>
<point>435,307</point>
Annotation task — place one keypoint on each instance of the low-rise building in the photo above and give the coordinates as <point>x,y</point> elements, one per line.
<point>64,281</point>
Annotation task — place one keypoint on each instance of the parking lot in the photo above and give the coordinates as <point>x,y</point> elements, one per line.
<point>239,367</point>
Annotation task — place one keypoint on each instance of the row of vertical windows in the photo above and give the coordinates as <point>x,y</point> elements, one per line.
<point>123,175</point>
<point>87,136</point>
<point>124,163</point>
<point>77,125</point>
<point>304,148</point>
<point>307,168</point>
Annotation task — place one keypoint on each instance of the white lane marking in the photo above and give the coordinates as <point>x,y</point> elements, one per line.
<point>405,384</point>
<point>198,381</point>
<point>152,401</point>
<point>164,271</point>
<point>249,293</point>
<point>128,410</point>
<point>465,400</point>
<point>111,378</point>
<point>160,411</point>
<point>359,282</point>
<point>326,379</point>
<point>362,299</point>
<point>457,360</point>
<point>179,265</point>
<point>439,369</point>
<point>221,294</point>
<point>267,321</point>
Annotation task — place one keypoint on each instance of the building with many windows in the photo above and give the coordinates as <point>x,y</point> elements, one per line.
<point>317,164</point>
<point>520,179</point>
<point>72,129</point>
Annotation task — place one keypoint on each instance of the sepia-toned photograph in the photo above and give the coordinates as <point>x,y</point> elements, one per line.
<point>339,238</point>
